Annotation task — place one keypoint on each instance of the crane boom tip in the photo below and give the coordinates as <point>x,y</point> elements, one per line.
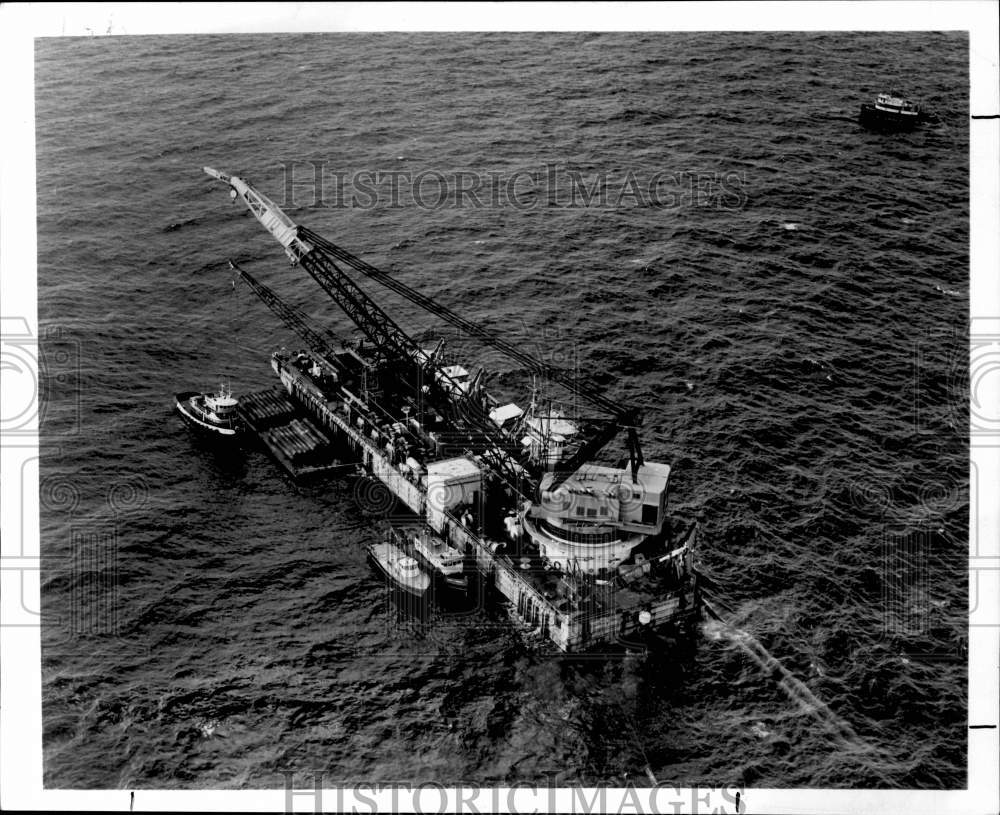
<point>216,174</point>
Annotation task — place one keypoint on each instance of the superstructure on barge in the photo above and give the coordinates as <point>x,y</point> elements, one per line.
<point>583,552</point>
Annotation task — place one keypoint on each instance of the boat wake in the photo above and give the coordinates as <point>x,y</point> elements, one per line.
<point>719,628</point>
<point>875,759</point>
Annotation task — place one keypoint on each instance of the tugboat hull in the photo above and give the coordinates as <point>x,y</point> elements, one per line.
<point>196,421</point>
<point>876,119</point>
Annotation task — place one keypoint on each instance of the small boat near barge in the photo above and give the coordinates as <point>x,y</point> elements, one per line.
<point>214,415</point>
<point>402,569</point>
<point>436,555</point>
<point>890,112</point>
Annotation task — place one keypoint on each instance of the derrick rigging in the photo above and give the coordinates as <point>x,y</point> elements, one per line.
<point>292,317</point>
<point>320,258</point>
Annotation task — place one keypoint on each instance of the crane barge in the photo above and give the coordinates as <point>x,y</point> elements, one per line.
<point>584,552</point>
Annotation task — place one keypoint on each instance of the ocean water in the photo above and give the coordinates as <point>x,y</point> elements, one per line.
<point>793,320</point>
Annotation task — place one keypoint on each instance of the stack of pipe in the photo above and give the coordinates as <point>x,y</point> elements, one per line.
<point>267,407</point>
<point>283,441</point>
<point>308,431</point>
<point>298,439</point>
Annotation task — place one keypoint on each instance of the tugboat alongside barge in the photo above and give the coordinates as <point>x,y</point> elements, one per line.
<point>583,552</point>
<point>437,556</point>
<point>213,415</point>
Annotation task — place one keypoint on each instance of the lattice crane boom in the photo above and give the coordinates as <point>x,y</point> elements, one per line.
<point>319,257</point>
<point>585,390</point>
<point>292,317</point>
<point>497,448</point>
<point>622,416</point>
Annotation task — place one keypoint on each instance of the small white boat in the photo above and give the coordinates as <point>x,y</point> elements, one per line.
<point>399,567</point>
<point>441,557</point>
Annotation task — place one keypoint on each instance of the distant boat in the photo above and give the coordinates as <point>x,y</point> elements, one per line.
<point>399,567</point>
<point>890,112</point>
<point>215,415</point>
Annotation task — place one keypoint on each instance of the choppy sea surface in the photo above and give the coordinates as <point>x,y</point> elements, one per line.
<point>794,322</point>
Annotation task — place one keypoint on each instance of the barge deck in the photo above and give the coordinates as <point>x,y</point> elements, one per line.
<point>289,435</point>
<point>573,610</point>
<point>584,551</point>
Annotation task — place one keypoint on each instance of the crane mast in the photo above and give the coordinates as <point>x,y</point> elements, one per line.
<point>396,345</point>
<point>622,416</point>
<point>511,492</point>
<point>581,388</point>
<point>292,317</point>
<point>319,257</point>
<point>504,457</point>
